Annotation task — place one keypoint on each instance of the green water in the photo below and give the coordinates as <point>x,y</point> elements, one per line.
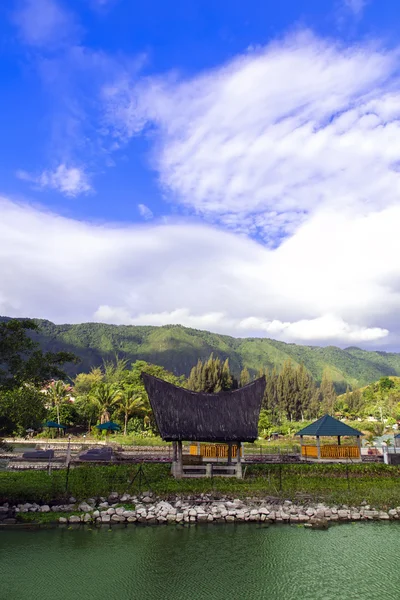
<point>216,562</point>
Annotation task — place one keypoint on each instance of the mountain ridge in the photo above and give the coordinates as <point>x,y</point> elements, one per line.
<point>178,348</point>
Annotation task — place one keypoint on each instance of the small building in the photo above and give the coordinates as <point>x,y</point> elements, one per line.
<point>216,424</point>
<point>397,440</point>
<point>328,427</point>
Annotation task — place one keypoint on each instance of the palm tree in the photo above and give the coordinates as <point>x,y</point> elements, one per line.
<point>103,396</point>
<point>129,403</point>
<point>58,393</point>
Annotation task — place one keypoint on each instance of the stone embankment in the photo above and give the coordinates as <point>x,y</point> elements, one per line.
<point>202,509</point>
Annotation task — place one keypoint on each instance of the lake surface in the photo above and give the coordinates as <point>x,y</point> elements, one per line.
<point>210,562</point>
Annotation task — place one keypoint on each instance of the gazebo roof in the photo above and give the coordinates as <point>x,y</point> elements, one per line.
<point>328,426</point>
<point>196,416</point>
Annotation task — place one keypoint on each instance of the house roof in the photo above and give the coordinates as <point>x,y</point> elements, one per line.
<point>196,416</point>
<point>328,426</point>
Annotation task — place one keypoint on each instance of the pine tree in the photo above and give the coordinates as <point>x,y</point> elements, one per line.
<point>244,377</point>
<point>328,393</point>
<point>226,377</point>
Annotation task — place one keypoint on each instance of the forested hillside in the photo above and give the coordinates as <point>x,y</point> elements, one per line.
<point>178,349</point>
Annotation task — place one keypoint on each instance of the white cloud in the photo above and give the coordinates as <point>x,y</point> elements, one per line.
<point>45,23</point>
<point>70,181</point>
<point>355,6</point>
<point>336,280</point>
<point>145,212</point>
<point>261,143</point>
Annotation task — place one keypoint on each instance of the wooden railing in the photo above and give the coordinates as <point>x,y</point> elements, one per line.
<point>331,451</point>
<point>309,451</point>
<point>214,450</point>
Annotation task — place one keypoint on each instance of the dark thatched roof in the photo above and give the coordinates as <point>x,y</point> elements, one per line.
<point>196,416</point>
<point>328,426</point>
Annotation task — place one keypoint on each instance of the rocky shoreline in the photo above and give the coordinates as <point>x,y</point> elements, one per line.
<point>150,510</point>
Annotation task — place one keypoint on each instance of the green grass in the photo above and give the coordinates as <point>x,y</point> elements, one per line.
<point>377,484</point>
<point>42,518</point>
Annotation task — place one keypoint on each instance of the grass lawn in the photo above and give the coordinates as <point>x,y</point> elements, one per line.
<point>377,484</point>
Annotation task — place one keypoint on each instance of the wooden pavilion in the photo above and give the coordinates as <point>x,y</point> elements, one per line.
<point>329,427</point>
<point>216,424</point>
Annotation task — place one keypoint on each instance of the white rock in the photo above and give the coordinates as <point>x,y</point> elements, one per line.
<point>74,519</point>
<point>45,508</point>
<point>62,520</point>
<point>343,515</point>
<point>105,518</point>
<point>117,519</point>
<point>84,507</point>
<point>110,511</point>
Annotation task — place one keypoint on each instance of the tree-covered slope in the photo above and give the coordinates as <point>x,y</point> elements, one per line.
<point>178,348</point>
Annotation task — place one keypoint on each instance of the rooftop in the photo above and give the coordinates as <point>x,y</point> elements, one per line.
<point>328,426</point>
<point>196,416</point>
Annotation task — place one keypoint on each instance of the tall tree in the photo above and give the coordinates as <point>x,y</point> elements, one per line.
<point>21,359</point>
<point>58,393</point>
<point>104,396</point>
<point>328,394</point>
<point>129,403</point>
<point>244,377</point>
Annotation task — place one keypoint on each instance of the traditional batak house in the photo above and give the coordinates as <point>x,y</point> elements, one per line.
<point>216,424</point>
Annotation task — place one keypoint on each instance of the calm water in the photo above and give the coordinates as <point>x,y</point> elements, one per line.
<point>217,562</point>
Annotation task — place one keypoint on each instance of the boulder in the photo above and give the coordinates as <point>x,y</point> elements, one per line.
<point>84,507</point>
<point>117,519</point>
<point>45,508</point>
<point>74,519</point>
<point>343,515</point>
<point>62,520</point>
<point>319,523</point>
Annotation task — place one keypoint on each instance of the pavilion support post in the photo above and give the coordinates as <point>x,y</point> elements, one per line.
<point>359,446</point>
<point>301,447</point>
<point>174,458</point>
<point>179,462</point>
<point>318,448</point>
<point>229,453</point>
<point>239,473</point>
<point>338,440</point>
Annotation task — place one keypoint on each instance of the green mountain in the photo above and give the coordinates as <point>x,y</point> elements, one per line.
<point>178,348</point>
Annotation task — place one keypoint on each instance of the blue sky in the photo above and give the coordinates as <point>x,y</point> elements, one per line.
<point>230,166</point>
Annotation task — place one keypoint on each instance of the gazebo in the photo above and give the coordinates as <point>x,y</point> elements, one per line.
<point>223,420</point>
<point>327,426</point>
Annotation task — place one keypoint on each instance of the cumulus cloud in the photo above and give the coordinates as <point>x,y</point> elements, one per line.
<point>336,280</point>
<point>45,23</point>
<point>262,142</point>
<point>70,181</point>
